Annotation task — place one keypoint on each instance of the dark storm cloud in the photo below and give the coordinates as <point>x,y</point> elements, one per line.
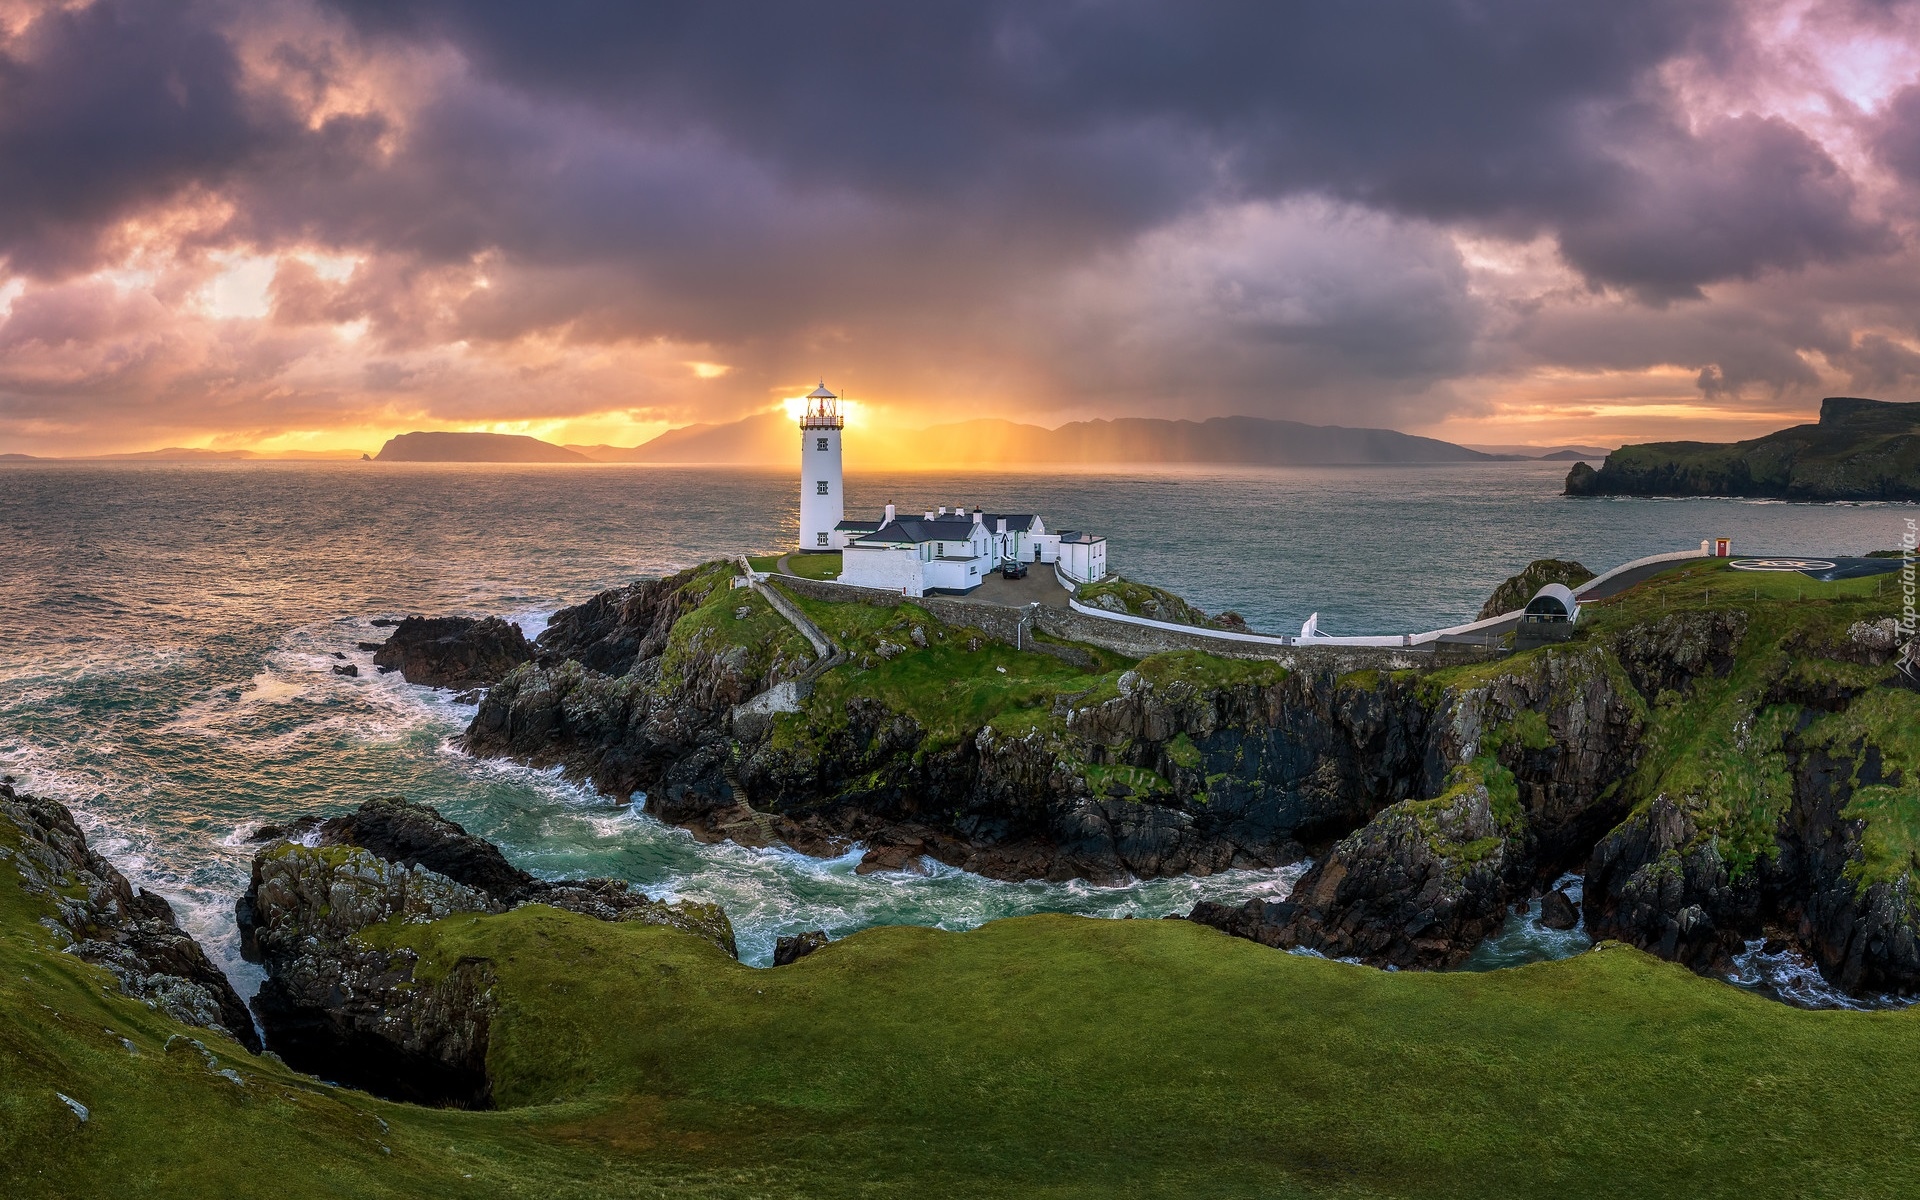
<point>1251,206</point>
<point>1084,120</point>
<point>1898,139</point>
<point>111,108</point>
<point>1743,195</point>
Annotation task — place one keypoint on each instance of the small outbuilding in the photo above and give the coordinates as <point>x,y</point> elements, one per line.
<point>1549,617</point>
<point>1553,602</point>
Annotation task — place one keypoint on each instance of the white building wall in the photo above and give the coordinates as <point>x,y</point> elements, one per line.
<point>820,510</point>
<point>958,574</point>
<point>895,569</point>
<point>1084,561</point>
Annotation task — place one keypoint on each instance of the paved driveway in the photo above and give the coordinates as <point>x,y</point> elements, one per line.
<point>1039,585</point>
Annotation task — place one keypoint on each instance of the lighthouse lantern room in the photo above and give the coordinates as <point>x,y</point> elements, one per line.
<point>822,502</point>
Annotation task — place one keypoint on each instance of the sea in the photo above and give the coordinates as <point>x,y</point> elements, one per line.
<point>168,634</point>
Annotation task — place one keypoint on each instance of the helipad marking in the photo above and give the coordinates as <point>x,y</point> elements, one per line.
<point>1781,564</point>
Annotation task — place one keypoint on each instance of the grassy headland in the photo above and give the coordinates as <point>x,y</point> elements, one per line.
<point>1859,450</point>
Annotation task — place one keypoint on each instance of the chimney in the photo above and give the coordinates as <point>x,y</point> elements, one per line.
<point>943,510</point>
<point>978,517</point>
<point>889,519</point>
<point>929,514</point>
<point>1000,525</point>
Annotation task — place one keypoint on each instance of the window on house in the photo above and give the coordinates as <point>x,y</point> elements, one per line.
<point>820,488</point>
<point>819,539</point>
<point>819,443</point>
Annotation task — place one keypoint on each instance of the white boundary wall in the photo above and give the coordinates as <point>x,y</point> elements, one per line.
<point>1623,568</point>
<point>1400,640</point>
<point>1381,640</point>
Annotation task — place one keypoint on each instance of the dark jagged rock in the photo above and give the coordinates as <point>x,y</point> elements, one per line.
<point>617,629</point>
<point>106,921</point>
<point>1518,590</point>
<point>1659,882</point>
<point>1557,910</point>
<point>1423,881</point>
<point>1859,450</point>
<point>348,670</point>
<point>415,835</point>
<point>1420,886</point>
<point>793,949</point>
<point>358,1013</point>
<point>453,652</point>
<point>1263,921</point>
<point>1656,884</point>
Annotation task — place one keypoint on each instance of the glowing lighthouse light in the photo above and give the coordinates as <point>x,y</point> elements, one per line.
<point>822,502</point>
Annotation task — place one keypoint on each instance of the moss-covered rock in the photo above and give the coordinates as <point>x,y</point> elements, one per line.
<point>1519,589</point>
<point>101,918</point>
<point>1157,604</point>
<point>345,998</point>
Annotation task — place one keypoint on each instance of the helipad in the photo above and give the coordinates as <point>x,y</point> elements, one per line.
<point>1782,564</point>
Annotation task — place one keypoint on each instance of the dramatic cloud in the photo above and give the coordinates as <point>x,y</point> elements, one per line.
<point>297,221</point>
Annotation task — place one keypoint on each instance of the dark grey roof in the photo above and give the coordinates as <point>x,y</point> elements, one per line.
<point>1016,522</point>
<point>915,530</point>
<point>854,526</point>
<point>1074,535</point>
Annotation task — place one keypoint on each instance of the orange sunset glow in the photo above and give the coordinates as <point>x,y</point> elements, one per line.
<point>321,229</point>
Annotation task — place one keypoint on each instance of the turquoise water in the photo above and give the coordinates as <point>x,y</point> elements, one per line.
<point>166,634</point>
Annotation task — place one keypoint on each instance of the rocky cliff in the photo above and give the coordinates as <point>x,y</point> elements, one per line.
<point>352,1008</point>
<point>105,920</point>
<point>1795,819</point>
<point>453,652</point>
<point>1859,450</point>
<point>1433,800</point>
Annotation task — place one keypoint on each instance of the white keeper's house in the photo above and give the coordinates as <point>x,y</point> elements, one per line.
<point>942,549</point>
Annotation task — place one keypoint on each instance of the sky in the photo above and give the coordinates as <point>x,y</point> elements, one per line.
<point>295,225</point>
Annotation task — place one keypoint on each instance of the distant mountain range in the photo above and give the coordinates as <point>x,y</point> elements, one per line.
<point>194,454</point>
<point>1859,450</point>
<point>767,439</point>
<point>1544,453</point>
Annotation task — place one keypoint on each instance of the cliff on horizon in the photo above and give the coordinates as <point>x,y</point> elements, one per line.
<point>475,447</point>
<point>1860,450</point>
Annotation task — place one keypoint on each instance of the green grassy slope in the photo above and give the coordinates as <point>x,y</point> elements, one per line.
<point>1047,1056</point>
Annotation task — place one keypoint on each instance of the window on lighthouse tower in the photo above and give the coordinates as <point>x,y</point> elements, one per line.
<point>819,443</point>
<point>820,488</point>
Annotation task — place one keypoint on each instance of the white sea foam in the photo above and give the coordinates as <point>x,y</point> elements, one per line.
<point>1790,976</point>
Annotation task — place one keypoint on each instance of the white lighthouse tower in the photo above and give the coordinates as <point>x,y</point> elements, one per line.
<point>822,503</point>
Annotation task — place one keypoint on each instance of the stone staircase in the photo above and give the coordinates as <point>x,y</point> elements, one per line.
<point>743,823</point>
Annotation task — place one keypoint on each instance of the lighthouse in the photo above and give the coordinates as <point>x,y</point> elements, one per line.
<point>822,503</point>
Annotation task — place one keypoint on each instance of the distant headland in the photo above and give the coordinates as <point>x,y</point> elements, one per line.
<point>1860,450</point>
<point>767,439</point>
<point>475,447</point>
